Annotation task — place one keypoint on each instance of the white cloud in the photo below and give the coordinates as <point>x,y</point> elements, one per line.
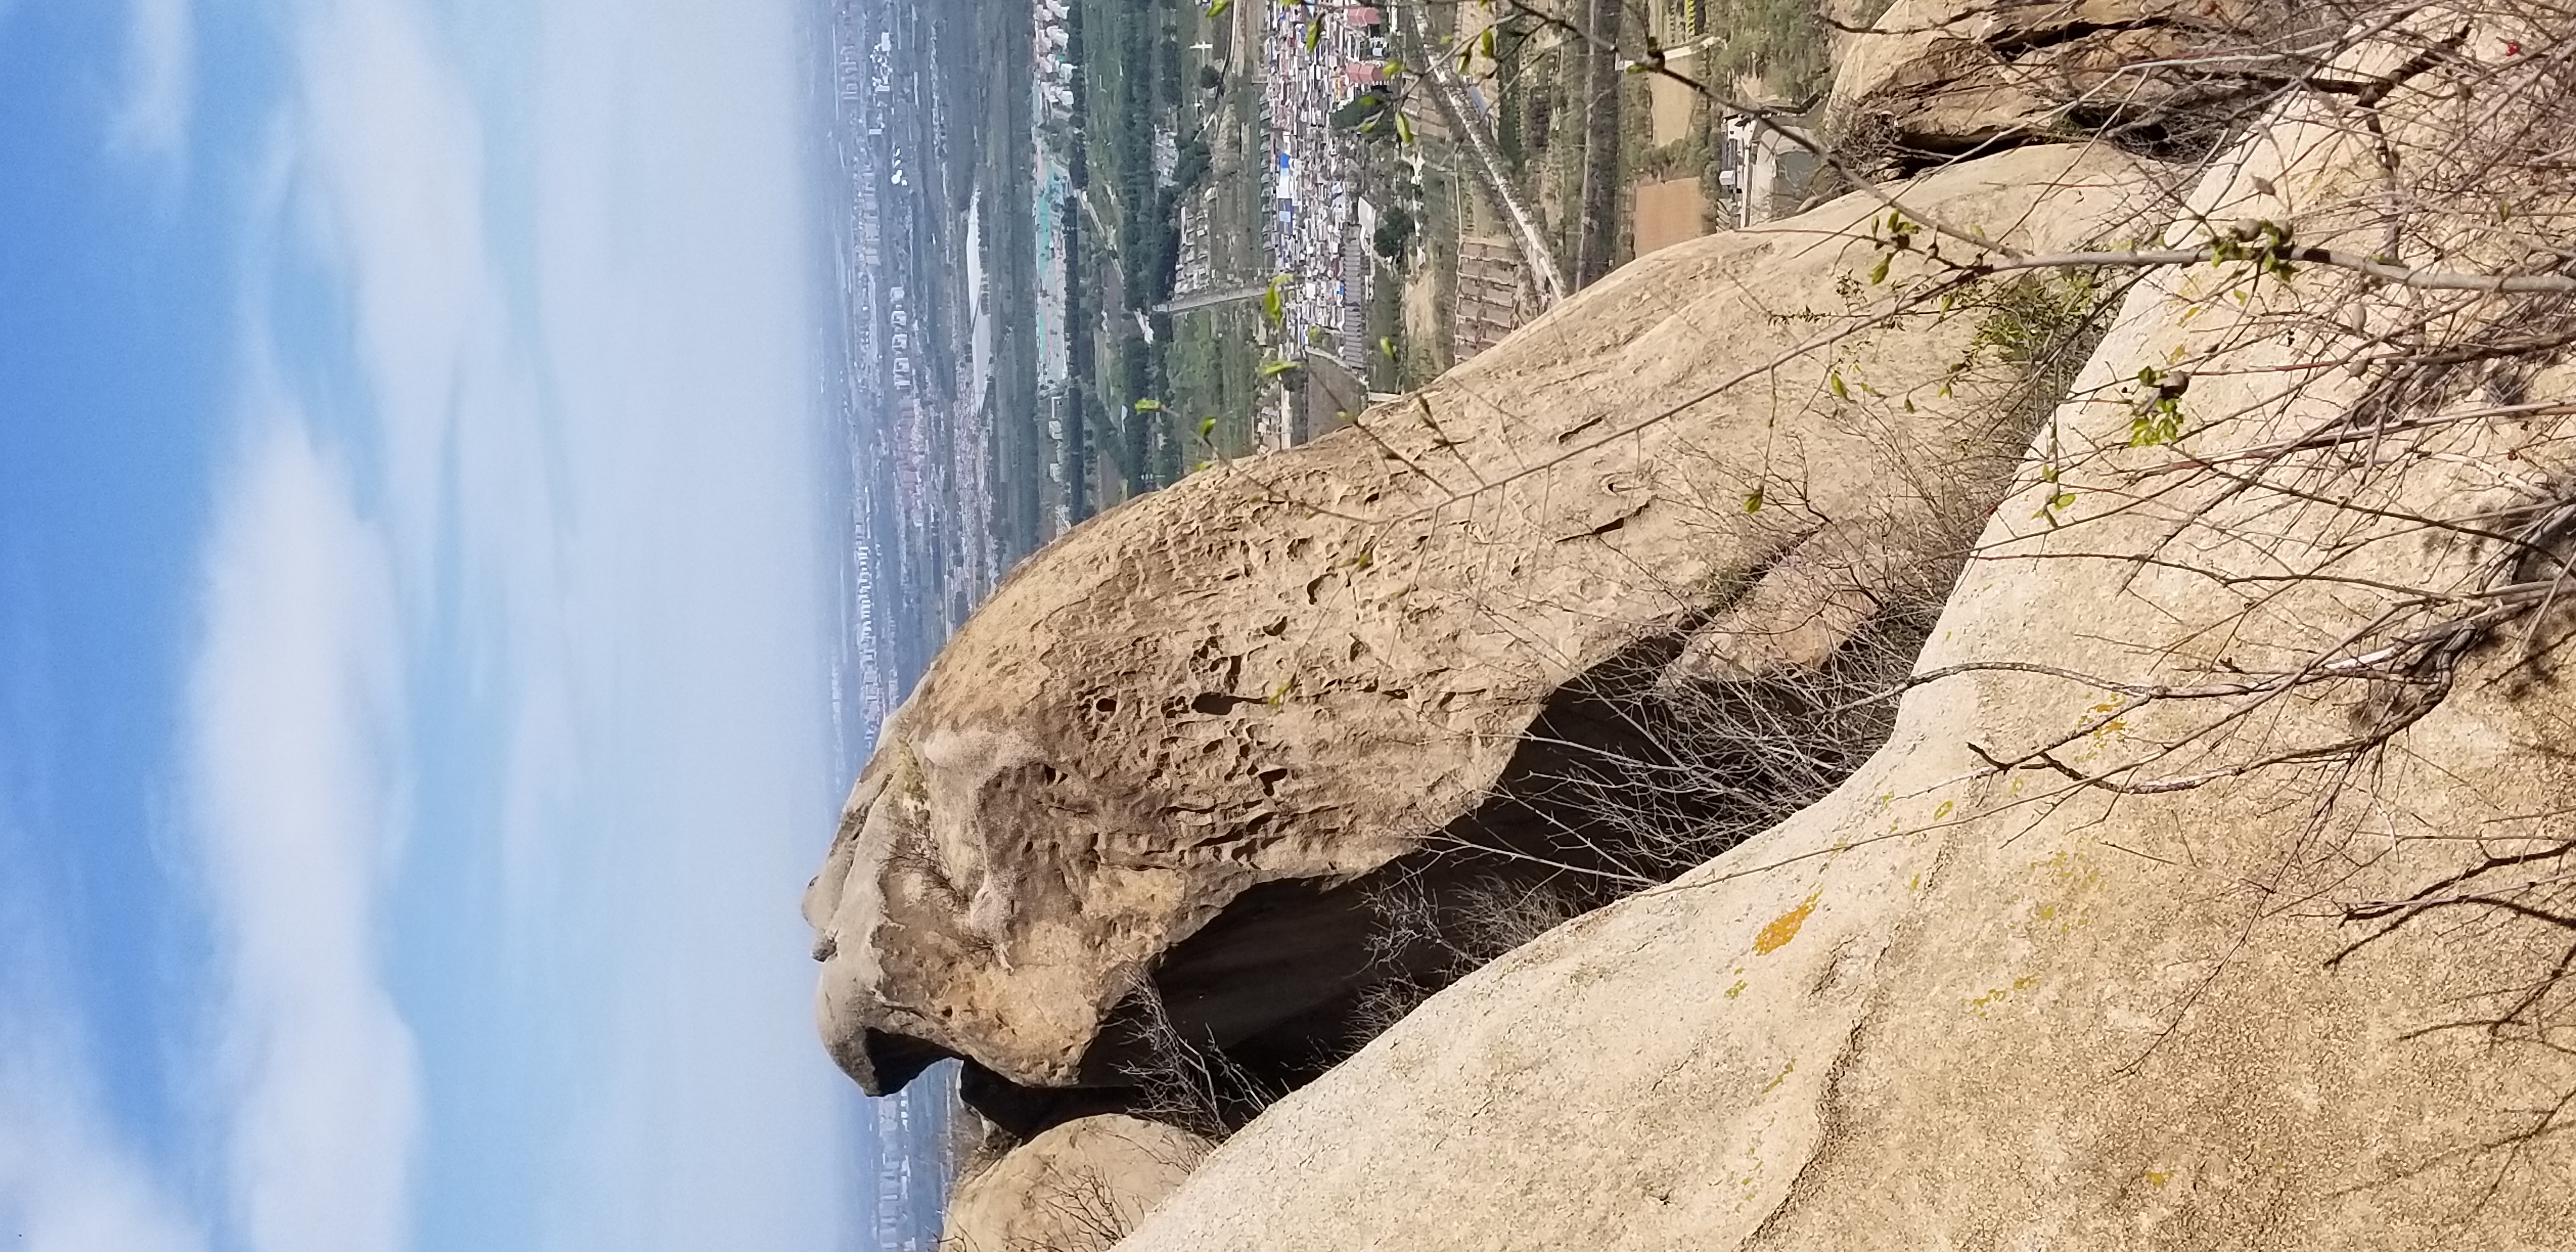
<point>293,749</point>
<point>66,1185</point>
<point>593,486</point>
<point>71,1179</point>
<point>296,749</point>
<point>385,125</point>
<point>161,82</point>
<point>68,1180</point>
<point>393,169</point>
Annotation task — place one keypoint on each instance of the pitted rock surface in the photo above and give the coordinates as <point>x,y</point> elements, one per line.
<point>1171,740</point>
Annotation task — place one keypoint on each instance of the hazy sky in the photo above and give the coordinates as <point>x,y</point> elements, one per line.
<point>413,604</point>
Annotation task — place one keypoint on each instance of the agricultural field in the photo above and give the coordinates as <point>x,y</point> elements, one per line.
<point>1603,162</point>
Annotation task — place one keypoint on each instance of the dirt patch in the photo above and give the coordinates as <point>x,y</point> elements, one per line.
<point>1671,110</point>
<point>1668,213</point>
<point>1422,309</point>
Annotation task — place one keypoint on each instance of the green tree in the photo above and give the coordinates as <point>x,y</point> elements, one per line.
<point>1394,233</point>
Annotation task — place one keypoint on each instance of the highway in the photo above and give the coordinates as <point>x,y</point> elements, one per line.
<point>1209,299</point>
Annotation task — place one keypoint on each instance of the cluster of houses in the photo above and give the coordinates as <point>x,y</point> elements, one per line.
<point>1055,65</point>
<point>1316,59</point>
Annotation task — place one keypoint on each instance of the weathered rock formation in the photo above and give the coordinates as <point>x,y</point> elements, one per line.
<point>1078,1187</point>
<point>2213,889</point>
<point>1939,77</point>
<point>1176,747</point>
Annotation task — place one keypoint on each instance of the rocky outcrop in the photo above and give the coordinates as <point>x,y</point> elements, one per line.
<point>1171,755</point>
<point>1941,77</point>
<point>2212,891</point>
<point>1078,1187</point>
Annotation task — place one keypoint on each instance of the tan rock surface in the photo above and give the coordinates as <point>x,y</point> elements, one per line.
<point>1297,668</point>
<point>1954,1006</point>
<point>1078,1187</point>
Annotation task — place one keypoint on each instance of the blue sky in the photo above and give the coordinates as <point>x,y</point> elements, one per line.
<point>414,605</point>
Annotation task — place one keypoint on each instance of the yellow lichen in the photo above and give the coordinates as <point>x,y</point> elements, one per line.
<point>1785,1071</point>
<point>1983,1002</point>
<point>1784,927</point>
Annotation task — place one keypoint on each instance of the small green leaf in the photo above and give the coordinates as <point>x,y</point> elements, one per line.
<point>1217,8</point>
<point>1878,272</point>
<point>1314,33</point>
<point>1834,381</point>
<point>2160,424</point>
<point>1207,430</point>
<point>1149,406</point>
<point>1275,368</point>
<point>1753,502</point>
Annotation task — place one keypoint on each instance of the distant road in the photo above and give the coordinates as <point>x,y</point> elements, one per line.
<point>1468,123</point>
<point>1209,299</point>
